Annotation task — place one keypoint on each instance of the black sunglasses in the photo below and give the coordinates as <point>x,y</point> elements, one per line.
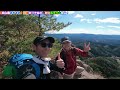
<point>44,45</point>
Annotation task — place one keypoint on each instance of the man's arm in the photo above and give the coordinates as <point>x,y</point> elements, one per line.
<point>80,52</point>
<point>53,66</point>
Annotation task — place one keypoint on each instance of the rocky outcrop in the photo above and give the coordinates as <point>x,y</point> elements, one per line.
<point>83,71</point>
<point>87,73</point>
<point>85,66</point>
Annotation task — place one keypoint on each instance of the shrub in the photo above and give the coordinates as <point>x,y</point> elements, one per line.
<point>107,66</point>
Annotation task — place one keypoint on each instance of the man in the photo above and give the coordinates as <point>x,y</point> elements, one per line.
<point>68,54</point>
<point>42,46</point>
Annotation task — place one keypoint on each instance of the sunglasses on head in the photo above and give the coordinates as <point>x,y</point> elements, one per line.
<point>44,45</point>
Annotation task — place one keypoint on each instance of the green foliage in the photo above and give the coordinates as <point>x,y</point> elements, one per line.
<point>4,55</point>
<point>17,32</point>
<point>55,50</point>
<point>109,67</point>
<point>48,22</point>
<point>100,49</point>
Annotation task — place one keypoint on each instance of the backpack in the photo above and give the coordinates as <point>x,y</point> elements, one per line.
<point>23,64</point>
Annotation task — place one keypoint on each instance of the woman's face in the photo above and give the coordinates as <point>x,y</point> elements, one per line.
<point>66,45</point>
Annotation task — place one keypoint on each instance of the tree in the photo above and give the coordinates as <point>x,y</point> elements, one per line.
<point>19,25</point>
<point>18,31</point>
<point>48,22</point>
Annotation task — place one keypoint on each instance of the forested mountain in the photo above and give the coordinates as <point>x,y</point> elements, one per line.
<point>106,39</point>
<point>101,45</point>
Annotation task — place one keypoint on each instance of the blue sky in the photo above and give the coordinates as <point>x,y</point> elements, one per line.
<point>90,22</point>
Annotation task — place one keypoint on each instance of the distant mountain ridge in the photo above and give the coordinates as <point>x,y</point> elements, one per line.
<point>106,39</point>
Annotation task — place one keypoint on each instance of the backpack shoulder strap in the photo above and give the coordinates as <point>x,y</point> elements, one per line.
<point>74,50</point>
<point>37,70</point>
<point>63,56</point>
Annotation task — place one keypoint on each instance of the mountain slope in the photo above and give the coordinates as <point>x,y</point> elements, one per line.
<point>106,39</point>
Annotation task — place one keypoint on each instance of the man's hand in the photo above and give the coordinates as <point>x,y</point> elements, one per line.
<point>60,63</point>
<point>87,47</point>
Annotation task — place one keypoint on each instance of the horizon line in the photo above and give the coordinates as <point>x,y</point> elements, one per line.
<point>82,33</point>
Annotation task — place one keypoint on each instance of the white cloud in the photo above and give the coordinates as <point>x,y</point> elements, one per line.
<point>93,14</point>
<point>52,32</point>
<point>83,20</point>
<point>114,27</point>
<point>70,31</point>
<point>80,30</point>
<point>113,32</point>
<point>78,16</point>
<point>99,27</point>
<point>87,20</point>
<point>71,12</point>
<point>106,31</point>
<point>107,20</point>
<point>57,15</point>
<point>87,31</point>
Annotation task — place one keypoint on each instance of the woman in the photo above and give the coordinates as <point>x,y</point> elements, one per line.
<point>68,54</point>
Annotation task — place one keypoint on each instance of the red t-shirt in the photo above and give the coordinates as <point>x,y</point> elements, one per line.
<point>70,57</point>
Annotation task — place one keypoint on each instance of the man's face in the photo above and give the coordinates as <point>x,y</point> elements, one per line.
<point>66,45</point>
<point>43,48</point>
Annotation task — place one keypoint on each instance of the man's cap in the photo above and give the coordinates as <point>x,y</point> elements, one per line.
<point>39,39</point>
<point>65,39</point>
